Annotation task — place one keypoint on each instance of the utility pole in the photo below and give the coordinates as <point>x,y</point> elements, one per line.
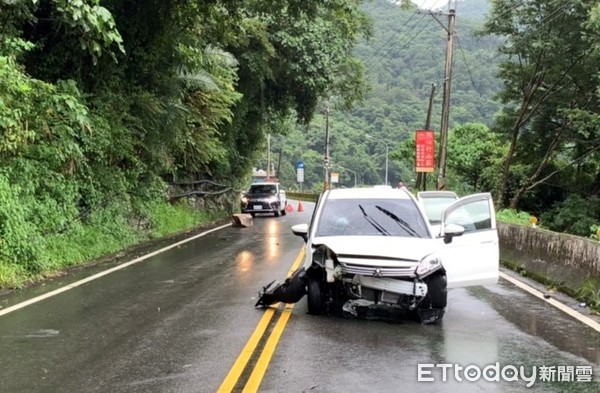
<point>268,157</point>
<point>441,180</point>
<point>326,158</point>
<point>422,176</point>
<point>277,172</point>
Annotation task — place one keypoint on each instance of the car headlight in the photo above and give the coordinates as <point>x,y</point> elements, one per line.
<point>244,199</point>
<point>272,199</point>
<point>428,265</point>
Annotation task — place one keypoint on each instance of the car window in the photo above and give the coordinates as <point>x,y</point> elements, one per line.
<point>263,189</point>
<point>371,217</point>
<point>434,208</point>
<point>473,216</point>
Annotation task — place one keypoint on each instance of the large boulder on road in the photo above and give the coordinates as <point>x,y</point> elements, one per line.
<point>242,220</point>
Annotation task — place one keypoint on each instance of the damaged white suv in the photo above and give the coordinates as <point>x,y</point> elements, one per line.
<point>367,247</point>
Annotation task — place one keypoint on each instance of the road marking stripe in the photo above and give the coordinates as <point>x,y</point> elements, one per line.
<point>231,380</point>
<point>267,353</point>
<point>575,314</point>
<point>104,273</point>
<point>265,358</point>
<point>297,262</point>
<point>238,367</point>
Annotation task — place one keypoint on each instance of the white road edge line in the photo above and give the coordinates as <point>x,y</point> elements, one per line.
<point>104,273</point>
<point>575,314</point>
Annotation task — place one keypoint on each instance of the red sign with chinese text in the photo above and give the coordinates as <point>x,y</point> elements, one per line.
<point>425,150</point>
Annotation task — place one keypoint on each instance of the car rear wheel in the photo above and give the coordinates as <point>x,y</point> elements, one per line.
<point>315,296</point>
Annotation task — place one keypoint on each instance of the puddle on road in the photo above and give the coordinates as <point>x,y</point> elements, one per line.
<point>542,320</point>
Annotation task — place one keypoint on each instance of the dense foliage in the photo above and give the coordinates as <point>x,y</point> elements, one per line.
<point>550,113</point>
<point>102,103</point>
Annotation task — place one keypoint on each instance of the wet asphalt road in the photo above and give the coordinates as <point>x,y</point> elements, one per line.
<point>178,321</point>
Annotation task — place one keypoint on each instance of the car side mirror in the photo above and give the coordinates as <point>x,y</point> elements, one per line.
<point>301,230</point>
<point>451,231</point>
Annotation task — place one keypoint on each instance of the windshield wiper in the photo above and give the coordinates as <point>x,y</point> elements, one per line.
<point>403,224</point>
<point>374,223</point>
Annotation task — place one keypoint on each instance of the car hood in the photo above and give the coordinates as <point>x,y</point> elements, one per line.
<point>381,248</point>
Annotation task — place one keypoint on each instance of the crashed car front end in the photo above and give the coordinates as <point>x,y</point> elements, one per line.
<point>355,284</point>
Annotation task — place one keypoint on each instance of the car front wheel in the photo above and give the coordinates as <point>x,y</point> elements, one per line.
<point>315,296</point>
<point>432,307</point>
<point>437,292</point>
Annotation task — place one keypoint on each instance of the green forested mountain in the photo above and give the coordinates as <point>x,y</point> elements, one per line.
<point>403,58</point>
<point>524,114</point>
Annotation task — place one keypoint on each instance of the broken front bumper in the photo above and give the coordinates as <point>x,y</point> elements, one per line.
<point>291,291</point>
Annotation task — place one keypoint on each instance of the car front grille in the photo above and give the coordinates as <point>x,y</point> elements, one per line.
<point>375,271</point>
<point>263,205</point>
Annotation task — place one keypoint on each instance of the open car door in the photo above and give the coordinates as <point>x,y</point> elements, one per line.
<point>473,257</point>
<point>434,203</point>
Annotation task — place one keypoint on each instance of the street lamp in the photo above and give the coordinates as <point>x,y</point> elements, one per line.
<point>387,150</point>
<point>350,170</point>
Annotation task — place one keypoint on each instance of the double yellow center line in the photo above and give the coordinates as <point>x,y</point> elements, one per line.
<point>232,380</point>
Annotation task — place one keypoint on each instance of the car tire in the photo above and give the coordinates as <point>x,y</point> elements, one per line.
<point>315,296</point>
<point>283,211</point>
<point>276,213</point>
<point>437,292</point>
<point>253,215</point>
<point>433,306</point>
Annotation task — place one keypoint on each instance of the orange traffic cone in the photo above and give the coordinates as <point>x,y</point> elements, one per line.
<point>289,208</point>
<point>300,206</point>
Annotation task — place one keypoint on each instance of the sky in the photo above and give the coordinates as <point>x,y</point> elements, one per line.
<point>431,3</point>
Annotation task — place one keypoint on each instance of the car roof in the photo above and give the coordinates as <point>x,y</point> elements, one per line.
<point>368,193</point>
<point>437,194</point>
<point>264,184</point>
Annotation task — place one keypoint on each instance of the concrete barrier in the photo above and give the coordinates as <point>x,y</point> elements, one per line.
<point>559,258</point>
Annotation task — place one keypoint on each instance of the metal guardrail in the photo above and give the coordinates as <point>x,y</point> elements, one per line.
<point>302,196</point>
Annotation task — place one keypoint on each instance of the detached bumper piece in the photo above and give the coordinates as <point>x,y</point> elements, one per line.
<point>291,291</point>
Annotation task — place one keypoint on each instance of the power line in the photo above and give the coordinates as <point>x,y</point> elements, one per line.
<point>466,62</point>
<point>548,19</point>
<point>405,25</point>
<point>396,32</point>
<point>374,66</point>
<point>391,37</point>
<point>415,24</point>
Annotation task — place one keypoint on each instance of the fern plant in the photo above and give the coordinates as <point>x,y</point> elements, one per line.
<point>590,294</point>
